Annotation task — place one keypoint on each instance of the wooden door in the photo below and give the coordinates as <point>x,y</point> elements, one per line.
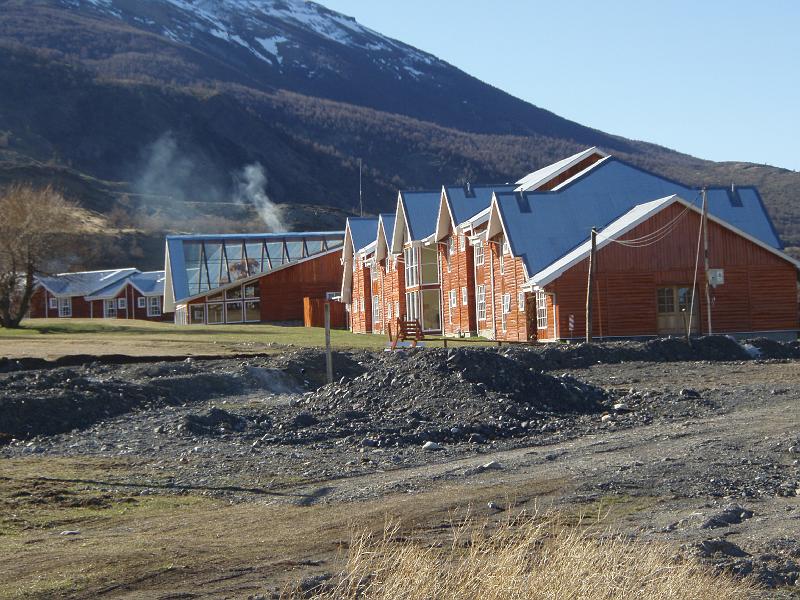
<point>673,305</point>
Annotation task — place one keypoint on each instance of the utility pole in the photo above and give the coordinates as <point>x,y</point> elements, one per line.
<point>590,287</point>
<point>705,252</point>
<point>360,195</point>
<point>328,354</point>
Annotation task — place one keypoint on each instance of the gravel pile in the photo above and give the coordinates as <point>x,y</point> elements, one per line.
<point>435,395</point>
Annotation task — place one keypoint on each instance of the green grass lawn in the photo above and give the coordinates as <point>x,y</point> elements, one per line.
<point>53,337</point>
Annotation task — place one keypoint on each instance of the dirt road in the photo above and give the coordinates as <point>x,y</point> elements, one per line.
<point>704,456</point>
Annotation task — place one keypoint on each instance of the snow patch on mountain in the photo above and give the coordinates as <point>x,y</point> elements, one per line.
<point>263,26</point>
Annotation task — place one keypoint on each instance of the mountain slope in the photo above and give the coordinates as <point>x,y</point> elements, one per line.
<point>108,88</point>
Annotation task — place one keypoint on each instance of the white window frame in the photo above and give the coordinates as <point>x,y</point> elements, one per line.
<point>452,303</point>
<point>389,312</point>
<point>521,301</point>
<point>464,296</point>
<point>397,308</point>
<point>480,255</point>
<point>208,313</point>
<point>109,309</point>
<point>65,307</point>
<point>462,242</point>
<point>53,303</point>
<point>141,302</point>
<point>154,308</point>
<point>451,246</point>
<point>541,310</point>
<point>122,303</point>
<point>410,261</point>
<point>502,259</point>
<point>480,302</point>
<point>506,308</point>
<point>376,309</point>
<point>412,306</point>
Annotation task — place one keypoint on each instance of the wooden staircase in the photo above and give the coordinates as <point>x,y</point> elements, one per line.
<point>406,329</point>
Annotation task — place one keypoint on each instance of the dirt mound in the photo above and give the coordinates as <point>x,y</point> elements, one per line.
<point>435,395</point>
<point>52,401</point>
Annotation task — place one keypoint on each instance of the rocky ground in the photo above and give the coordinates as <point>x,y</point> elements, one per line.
<point>703,442</point>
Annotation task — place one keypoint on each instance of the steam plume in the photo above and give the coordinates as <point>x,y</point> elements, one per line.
<point>252,183</point>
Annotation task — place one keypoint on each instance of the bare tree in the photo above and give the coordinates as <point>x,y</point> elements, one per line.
<point>34,224</point>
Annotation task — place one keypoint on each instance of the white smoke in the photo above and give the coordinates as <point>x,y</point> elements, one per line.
<point>251,184</point>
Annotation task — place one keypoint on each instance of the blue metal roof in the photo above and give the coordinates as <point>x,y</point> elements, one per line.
<point>388,223</point>
<point>202,262</point>
<point>422,209</point>
<point>465,203</point>
<point>363,230</point>
<point>544,226</point>
<point>149,283</point>
<point>84,283</point>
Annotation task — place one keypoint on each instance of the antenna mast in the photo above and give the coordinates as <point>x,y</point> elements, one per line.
<point>360,195</point>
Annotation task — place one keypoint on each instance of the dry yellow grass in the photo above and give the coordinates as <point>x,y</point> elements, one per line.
<point>526,559</point>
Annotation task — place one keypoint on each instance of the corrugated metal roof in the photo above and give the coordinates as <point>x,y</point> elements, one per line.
<point>149,283</point>
<point>363,230</point>
<point>543,226</point>
<point>465,204</point>
<point>422,208</point>
<point>83,283</point>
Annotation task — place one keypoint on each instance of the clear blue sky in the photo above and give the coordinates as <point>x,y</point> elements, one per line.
<point>713,78</point>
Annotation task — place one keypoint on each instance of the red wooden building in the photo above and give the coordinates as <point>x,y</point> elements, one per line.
<point>645,274</point>
<point>276,296</point>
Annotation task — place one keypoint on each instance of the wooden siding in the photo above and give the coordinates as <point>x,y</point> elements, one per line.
<point>361,306</point>
<point>282,292</point>
<point>457,273</point>
<point>314,313</point>
<point>509,281</point>
<point>759,293</point>
<point>391,290</point>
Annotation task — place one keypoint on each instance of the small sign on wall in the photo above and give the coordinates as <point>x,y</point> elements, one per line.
<point>716,277</point>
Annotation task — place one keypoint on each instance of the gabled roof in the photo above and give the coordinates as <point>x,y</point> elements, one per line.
<point>421,210</point>
<point>466,202</point>
<point>83,283</point>
<point>362,231</point>
<point>358,233</point>
<point>622,225</point>
<point>543,226</point>
<point>385,229</point>
<point>149,283</point>
<point>538,178</point>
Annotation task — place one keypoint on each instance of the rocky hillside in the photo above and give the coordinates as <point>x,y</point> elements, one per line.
<point>148,112</point>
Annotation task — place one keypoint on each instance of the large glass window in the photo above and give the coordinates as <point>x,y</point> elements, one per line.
<point>410,260</point>
<point>198,313</point>
<point>252,311</point>
<point>429,263</point>
<point>251,290</point>
<point>215,313</point>
<point>234,312</point>
<point>431,310</point>
<point>233,293</point>
<point>412,306</point>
